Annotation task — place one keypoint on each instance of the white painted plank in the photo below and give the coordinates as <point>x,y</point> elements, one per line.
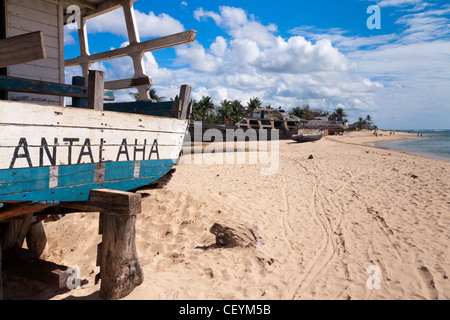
<point>21,11</point>
<point>39,5</point>
<point>49,41</point>
<point>46,63</point>
<point>28,114</point>
<point>30,26</point>
<point>169,145</point>
<point>26,71</point>
<point>34,98</point>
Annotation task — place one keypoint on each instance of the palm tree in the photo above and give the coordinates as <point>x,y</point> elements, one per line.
<point>206,107</point>
<point>224,111</point>
<point>153,95</point>
<point>361,122</point>
<point>298,112</point>
<point>339,114</point>
<point>368,119</point>
<point>237,111</point>
<point>253,104</point>
<point>196,112</point>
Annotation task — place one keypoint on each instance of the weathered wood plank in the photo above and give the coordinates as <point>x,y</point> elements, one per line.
<point>96,88</point>
<point>38,5</point>
<point>28,70</point>
<point>32,14</point>
<point>149,45</point>
<point>21,49</point>
<point>112,201</point>
<point>181,107</point>
<point>127,83</point>
<point>28,115</point>
<point>48,88</point>
<point>79,102</point>
<point>50,42</point>
<point>27,25</point>
<point>17,210</point>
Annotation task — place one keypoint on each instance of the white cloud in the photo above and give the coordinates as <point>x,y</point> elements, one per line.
<point>219,47</point>
<point>260,63</point>
<point>199,60</point>
<point>149,25</point>
<point>397,3</point>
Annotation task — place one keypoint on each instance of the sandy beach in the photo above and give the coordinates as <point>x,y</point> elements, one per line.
<point>327,224</point>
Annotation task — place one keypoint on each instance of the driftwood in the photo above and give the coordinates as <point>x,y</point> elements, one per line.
<point>238,236</point>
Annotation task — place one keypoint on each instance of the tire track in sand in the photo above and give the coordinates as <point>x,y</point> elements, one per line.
<point>327,248</point>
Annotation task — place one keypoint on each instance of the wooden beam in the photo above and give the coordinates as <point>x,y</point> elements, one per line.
<point>11,211</point>
<point>149,45</point>
<point>128,83</point>
<point>96,88</point>
<point>20,49</point>
<point>130,20</point>
<point>50,88</point>
<point>101,8</point>
<point>83,3</point>
<point>105,200</point>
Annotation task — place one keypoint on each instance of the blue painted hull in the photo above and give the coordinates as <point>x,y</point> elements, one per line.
<point>74,182</point>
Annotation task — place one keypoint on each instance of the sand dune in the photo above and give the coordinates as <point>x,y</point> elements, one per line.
<point>324,221</point>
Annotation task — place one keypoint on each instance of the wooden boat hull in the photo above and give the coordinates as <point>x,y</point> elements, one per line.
<point>53,154</point>
<point>306,137</point>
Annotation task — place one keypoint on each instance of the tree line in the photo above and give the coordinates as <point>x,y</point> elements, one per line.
<point>232,111</point>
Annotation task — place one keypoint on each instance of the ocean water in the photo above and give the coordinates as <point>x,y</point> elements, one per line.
<point>433,144</point>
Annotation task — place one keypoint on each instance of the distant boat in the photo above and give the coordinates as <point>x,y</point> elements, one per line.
<point>307,136</point>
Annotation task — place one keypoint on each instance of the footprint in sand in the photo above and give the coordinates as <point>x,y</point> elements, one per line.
<point>428,279</point>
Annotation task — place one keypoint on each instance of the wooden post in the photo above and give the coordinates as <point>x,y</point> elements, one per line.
<point>181,107</point>
<point>96,89</point>
<point>1,282</point>
<point>37,240</point>
<point>120,271</point>
<point>27,219</point>
<point>79,102</point>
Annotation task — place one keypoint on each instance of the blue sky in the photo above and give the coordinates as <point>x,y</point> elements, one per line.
<point>290,53</point>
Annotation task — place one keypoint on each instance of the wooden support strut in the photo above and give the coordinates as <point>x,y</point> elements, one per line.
<point>1,281</point>
<point>20,49</point>
<point>120,271</point>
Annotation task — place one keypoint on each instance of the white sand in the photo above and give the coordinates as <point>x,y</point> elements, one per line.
<point>324,222</point>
